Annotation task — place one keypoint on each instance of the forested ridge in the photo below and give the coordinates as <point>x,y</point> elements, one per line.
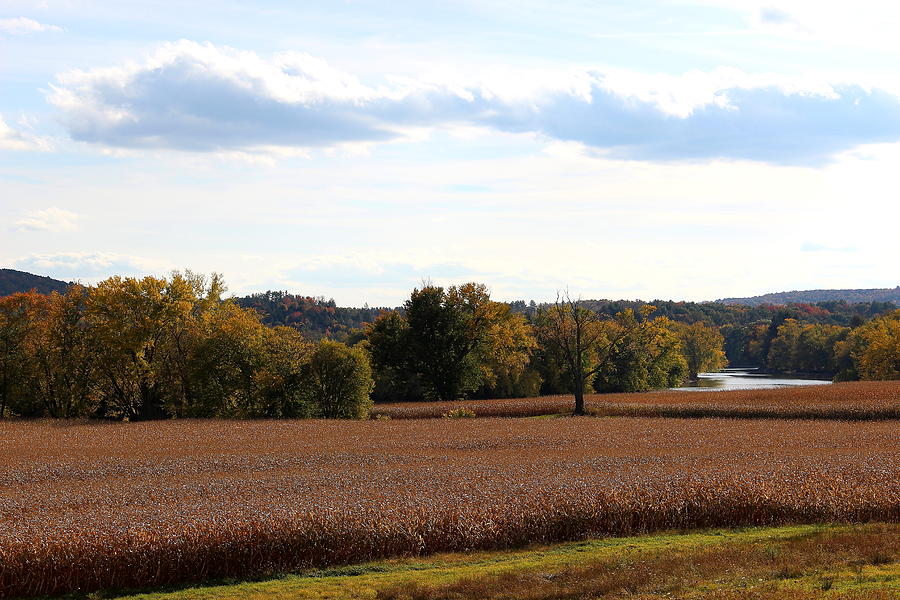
<point>315,316</point>
<point>318,317</point>
<point>857,295</point>
<point>12,281</point>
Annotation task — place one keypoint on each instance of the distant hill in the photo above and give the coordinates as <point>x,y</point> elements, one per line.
<point>316,317</point>
<point>811,296</point>
<point>12,281</point>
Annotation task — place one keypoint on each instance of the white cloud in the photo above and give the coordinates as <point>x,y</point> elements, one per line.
<point>13,139</point>
<point>199,97</point>
<point>23,25</point>
<point>49,219</point>
<point>90,266</point>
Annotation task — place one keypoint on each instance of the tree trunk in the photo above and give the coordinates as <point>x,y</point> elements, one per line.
<point>579,401</point>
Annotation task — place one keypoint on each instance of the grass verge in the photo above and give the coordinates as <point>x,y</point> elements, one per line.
<point>811,561</point>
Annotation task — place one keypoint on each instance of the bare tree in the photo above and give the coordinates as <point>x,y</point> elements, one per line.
<point>580,338</point>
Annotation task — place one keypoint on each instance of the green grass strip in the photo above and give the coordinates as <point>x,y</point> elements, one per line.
<point>362,581</point>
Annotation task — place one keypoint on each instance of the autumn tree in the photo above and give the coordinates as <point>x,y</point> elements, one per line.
<point>873,349</point>
<point>18,322</point>
<point>783,347</point>
<point>645,354</point>
<point>783,352</point>
<point>166,347</point>
<point>505,352</point>
<point>630,352</point>
<point>63,356</point>
<point>140,329</point>
<point>702,347</point>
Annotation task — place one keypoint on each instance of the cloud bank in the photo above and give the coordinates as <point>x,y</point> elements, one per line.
<point>89,266</point>
<point>202,98</point>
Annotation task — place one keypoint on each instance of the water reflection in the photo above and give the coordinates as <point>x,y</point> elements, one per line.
<point>745,379</point>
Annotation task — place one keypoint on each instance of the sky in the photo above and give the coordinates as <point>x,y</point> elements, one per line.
<point>670,149</point>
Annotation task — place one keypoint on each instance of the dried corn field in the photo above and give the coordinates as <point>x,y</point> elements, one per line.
<point>856,401</point>
<point>89,506</point>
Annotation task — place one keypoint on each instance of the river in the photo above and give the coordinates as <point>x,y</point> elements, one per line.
<point>744,379</point>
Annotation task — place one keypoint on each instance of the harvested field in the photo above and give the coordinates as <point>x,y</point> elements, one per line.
<point>854,401</point>
<point>94,506</point>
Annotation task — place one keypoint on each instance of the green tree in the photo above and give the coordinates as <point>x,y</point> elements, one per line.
<point>815,348</point>
<point>338,380</point>
<point>388,344</point>
<point>445,329</point>
<point>279,383</point>
<point>553,375</point>
<point>229,347</point>
<point>241,368</point>
<point>757,346</point>
<point>450,343</point>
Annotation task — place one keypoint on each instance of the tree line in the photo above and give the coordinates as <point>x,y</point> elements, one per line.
<point>444,344</point>
<point>154,348</point>
<point>868,350</point>
<point>151,348</point>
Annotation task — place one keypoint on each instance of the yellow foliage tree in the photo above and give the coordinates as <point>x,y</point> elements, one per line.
<point>702,347</point>
<point>874,348</point>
